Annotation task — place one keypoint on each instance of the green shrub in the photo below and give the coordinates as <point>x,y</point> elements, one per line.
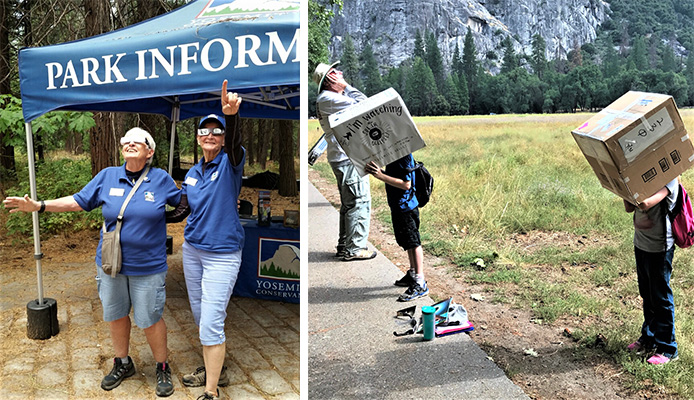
<point>54,179</point>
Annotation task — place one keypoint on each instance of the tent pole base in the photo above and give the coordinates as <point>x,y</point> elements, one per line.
<point>42,319</point>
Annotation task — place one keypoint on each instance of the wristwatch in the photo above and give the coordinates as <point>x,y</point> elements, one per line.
<point>43,206</point>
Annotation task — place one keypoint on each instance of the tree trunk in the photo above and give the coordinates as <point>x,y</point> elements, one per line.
<point>287,183</point>
<point>248,130</point>
<point>275,149</point>
<point>7,162</point>
<point>102,140</point>
<point>261,155</point>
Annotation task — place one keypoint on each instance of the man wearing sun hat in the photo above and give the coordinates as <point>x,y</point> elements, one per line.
<point>334,95</point>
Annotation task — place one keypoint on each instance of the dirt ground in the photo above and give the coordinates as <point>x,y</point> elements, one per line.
<point>559,371</point>
<point>66,255</point>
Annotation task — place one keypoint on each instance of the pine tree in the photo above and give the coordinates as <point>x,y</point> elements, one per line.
<point>470,67</point>
<point>434,59</point>
<point>457,62</point>
<point>538,59</point>
<point>668,62</point>
<point>370,71</point>
<point>350,63</point>
<point>510,60</point>
<point>420,90</point>
<point>419,50</point>
<point>638,56</point>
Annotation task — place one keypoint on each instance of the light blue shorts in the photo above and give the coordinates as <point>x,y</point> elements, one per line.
<point>210,279</point>
<point>146,294</point>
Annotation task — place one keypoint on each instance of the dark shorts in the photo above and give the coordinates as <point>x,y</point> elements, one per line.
<point>406,228</point>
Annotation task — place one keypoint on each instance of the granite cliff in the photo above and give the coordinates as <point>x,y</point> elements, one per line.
<point>390,26</point>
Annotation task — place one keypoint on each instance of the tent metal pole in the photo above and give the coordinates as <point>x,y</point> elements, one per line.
<point>34,215</point>
<point>175,115</point>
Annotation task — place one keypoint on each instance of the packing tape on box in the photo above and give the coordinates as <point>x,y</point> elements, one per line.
<point>691,158</point>
<point>626,180</point>
<point>685,137</point>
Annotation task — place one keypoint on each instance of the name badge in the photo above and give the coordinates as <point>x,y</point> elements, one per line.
<point>116,192</point>
<point>191,181</point>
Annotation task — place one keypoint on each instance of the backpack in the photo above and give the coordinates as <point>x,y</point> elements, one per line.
<point>423,183</point>
<point>682,220</point>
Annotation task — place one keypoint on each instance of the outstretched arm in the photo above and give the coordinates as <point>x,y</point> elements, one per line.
<point>25,204</point>
<point>232,140</point>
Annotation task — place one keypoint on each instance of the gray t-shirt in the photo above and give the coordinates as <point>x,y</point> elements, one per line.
<point>652,230</point>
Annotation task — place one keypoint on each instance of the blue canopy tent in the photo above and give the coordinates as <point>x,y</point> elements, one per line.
<point>172,65</point>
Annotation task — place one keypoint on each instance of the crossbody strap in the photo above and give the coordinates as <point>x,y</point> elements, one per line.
<point>119,220</point>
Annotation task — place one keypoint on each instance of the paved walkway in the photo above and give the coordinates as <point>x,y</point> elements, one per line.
<point>262,342</point>
<point>352,351</point>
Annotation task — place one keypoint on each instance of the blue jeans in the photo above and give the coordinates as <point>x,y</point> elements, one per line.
<point>355,212</point>
<point>653,271</point>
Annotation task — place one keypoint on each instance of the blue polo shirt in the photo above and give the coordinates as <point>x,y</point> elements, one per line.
<point>143,232</point>
<point>213,224</point>
<point>398,199</point>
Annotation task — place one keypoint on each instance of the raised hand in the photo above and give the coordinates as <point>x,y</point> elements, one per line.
<point>230,101</point>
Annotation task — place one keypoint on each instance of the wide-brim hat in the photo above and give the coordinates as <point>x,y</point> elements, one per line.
<point>212,117</point>
<point>321,71</point>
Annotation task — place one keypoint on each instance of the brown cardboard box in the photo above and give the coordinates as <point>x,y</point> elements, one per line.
<point>636,145</point>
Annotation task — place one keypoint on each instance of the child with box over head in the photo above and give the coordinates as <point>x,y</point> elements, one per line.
<point>654,248</point>
<point>399,179</point>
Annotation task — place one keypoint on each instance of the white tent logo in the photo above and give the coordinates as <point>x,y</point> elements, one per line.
<point>237,8</point>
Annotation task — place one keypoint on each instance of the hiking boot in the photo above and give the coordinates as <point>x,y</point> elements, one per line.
<point>119,372</point>
<point>199,378</point>
<point>660,359</point>
<point>164,385</point>
<point>414,292</point>
<point>209,396</point>
<point>407,280</point>
<point>639,347</point>
<point>360,255</point>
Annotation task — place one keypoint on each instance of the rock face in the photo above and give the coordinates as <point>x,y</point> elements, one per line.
<point>391,25</point>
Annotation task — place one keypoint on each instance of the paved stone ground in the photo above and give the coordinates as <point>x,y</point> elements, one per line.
<point>263,349</point>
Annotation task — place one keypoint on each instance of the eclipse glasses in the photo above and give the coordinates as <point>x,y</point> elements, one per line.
<point>207,131</point>
<point>127,140</point>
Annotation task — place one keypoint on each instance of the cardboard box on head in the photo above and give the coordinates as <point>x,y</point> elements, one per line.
<point>636,145</point>
<point>378,129</point>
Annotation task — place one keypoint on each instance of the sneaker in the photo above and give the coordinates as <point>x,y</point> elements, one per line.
<point>414,292</point>
<point>639,347</point>
<point>360,255</point>
<point>164,384</point>
<point>209,396</point>
<point>407,280</point>
<point>198,378</point>
<point>119,372</point>
<point>660,359</point>
<point>340,252</point>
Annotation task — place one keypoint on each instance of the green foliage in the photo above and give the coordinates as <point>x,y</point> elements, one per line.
<point>11,121</point>
<point>349,63</point>
<point>434,59</point>
<point>54,179</point>
<point>319,17</point>
<point>370,71</point>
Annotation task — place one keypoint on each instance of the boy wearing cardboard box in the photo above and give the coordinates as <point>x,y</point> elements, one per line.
<point>637,147</point>
<point>404,211</point>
